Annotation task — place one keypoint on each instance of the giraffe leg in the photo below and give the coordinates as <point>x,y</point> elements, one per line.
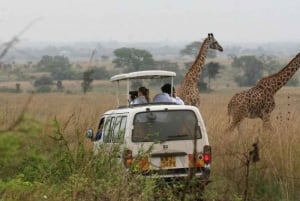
<point>236,122</point>
<point>267,122</point>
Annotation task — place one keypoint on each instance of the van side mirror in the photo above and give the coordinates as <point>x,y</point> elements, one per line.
<point>89,133</point>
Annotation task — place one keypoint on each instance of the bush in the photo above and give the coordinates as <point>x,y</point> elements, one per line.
<point>100,73</point>
<point>40,168</point>
<point>43,89</point>
<point>15,147</point>
<point>9,90</point>
<point>42,81</point>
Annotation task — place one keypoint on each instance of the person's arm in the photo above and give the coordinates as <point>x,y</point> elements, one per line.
<point>179,100</point>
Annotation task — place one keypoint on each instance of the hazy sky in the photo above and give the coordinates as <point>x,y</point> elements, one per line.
<point>239,21</point>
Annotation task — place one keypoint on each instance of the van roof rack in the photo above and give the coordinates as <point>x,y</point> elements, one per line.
<point>147,74</point>
<point>146,104</point>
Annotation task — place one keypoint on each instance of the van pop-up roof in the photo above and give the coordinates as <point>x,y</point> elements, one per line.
<point>147,74</point>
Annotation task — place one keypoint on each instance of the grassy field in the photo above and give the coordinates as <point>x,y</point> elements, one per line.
<point>276,176</point>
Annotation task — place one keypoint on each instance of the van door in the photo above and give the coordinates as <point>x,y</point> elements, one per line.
<point>119,129</point>
<point>114,132</point>
<point>108,127</point>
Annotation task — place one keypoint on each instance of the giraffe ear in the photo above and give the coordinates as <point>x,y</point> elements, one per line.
<point>211,35</point>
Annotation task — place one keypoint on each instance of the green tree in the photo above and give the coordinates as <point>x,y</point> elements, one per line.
<point>132,59</point>
<point>43,84</point>
<point>18,87</point>
<point>193,48</point>
<point>87,81</point>
<point>43,81</point>
<point>100,73</point>
<point>170,66</point>
<point>104,58</point>
<point>58,66</point>
<point>59,85</point>
<point>270,64</point>
<point>211,71</point>
<point>250,70</point>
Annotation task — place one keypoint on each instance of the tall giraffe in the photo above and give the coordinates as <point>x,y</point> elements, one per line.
<point>188,90</point>
<point>258,102</point>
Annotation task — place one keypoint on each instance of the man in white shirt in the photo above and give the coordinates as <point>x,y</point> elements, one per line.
<point>178,100</point>
<point>165,96</point>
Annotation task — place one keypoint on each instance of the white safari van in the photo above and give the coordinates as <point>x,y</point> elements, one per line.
<point>162,140</point>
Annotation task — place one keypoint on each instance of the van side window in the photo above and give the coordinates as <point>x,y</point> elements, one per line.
<point>100,129</point>
<point>108,128</point>
<point>119,129</point>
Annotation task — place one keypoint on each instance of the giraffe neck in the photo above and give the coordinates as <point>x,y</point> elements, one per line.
<point>195,70</point>
<point>276,81</point>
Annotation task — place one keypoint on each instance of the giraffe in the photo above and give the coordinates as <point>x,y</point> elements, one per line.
<point>258,101</point>
<point>188,90</point>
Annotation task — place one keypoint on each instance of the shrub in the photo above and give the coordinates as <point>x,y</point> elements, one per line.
<point>43,89</point>
<point>42,81</point>
<point>9,90</point>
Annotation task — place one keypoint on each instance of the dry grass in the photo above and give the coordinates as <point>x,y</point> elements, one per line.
<point>279,150</point>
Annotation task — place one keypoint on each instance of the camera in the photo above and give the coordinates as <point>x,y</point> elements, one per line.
<point>133,94</point>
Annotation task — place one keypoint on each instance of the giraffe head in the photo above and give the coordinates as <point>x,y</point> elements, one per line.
<point>213,43</point>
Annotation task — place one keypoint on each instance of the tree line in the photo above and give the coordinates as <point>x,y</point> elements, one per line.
<point>246,70</point>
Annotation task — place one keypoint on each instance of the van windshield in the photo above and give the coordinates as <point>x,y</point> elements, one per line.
<point>160,126</point>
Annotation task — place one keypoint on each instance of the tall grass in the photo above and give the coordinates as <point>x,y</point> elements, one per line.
<point>276,175</point>
<point>47,157</point>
